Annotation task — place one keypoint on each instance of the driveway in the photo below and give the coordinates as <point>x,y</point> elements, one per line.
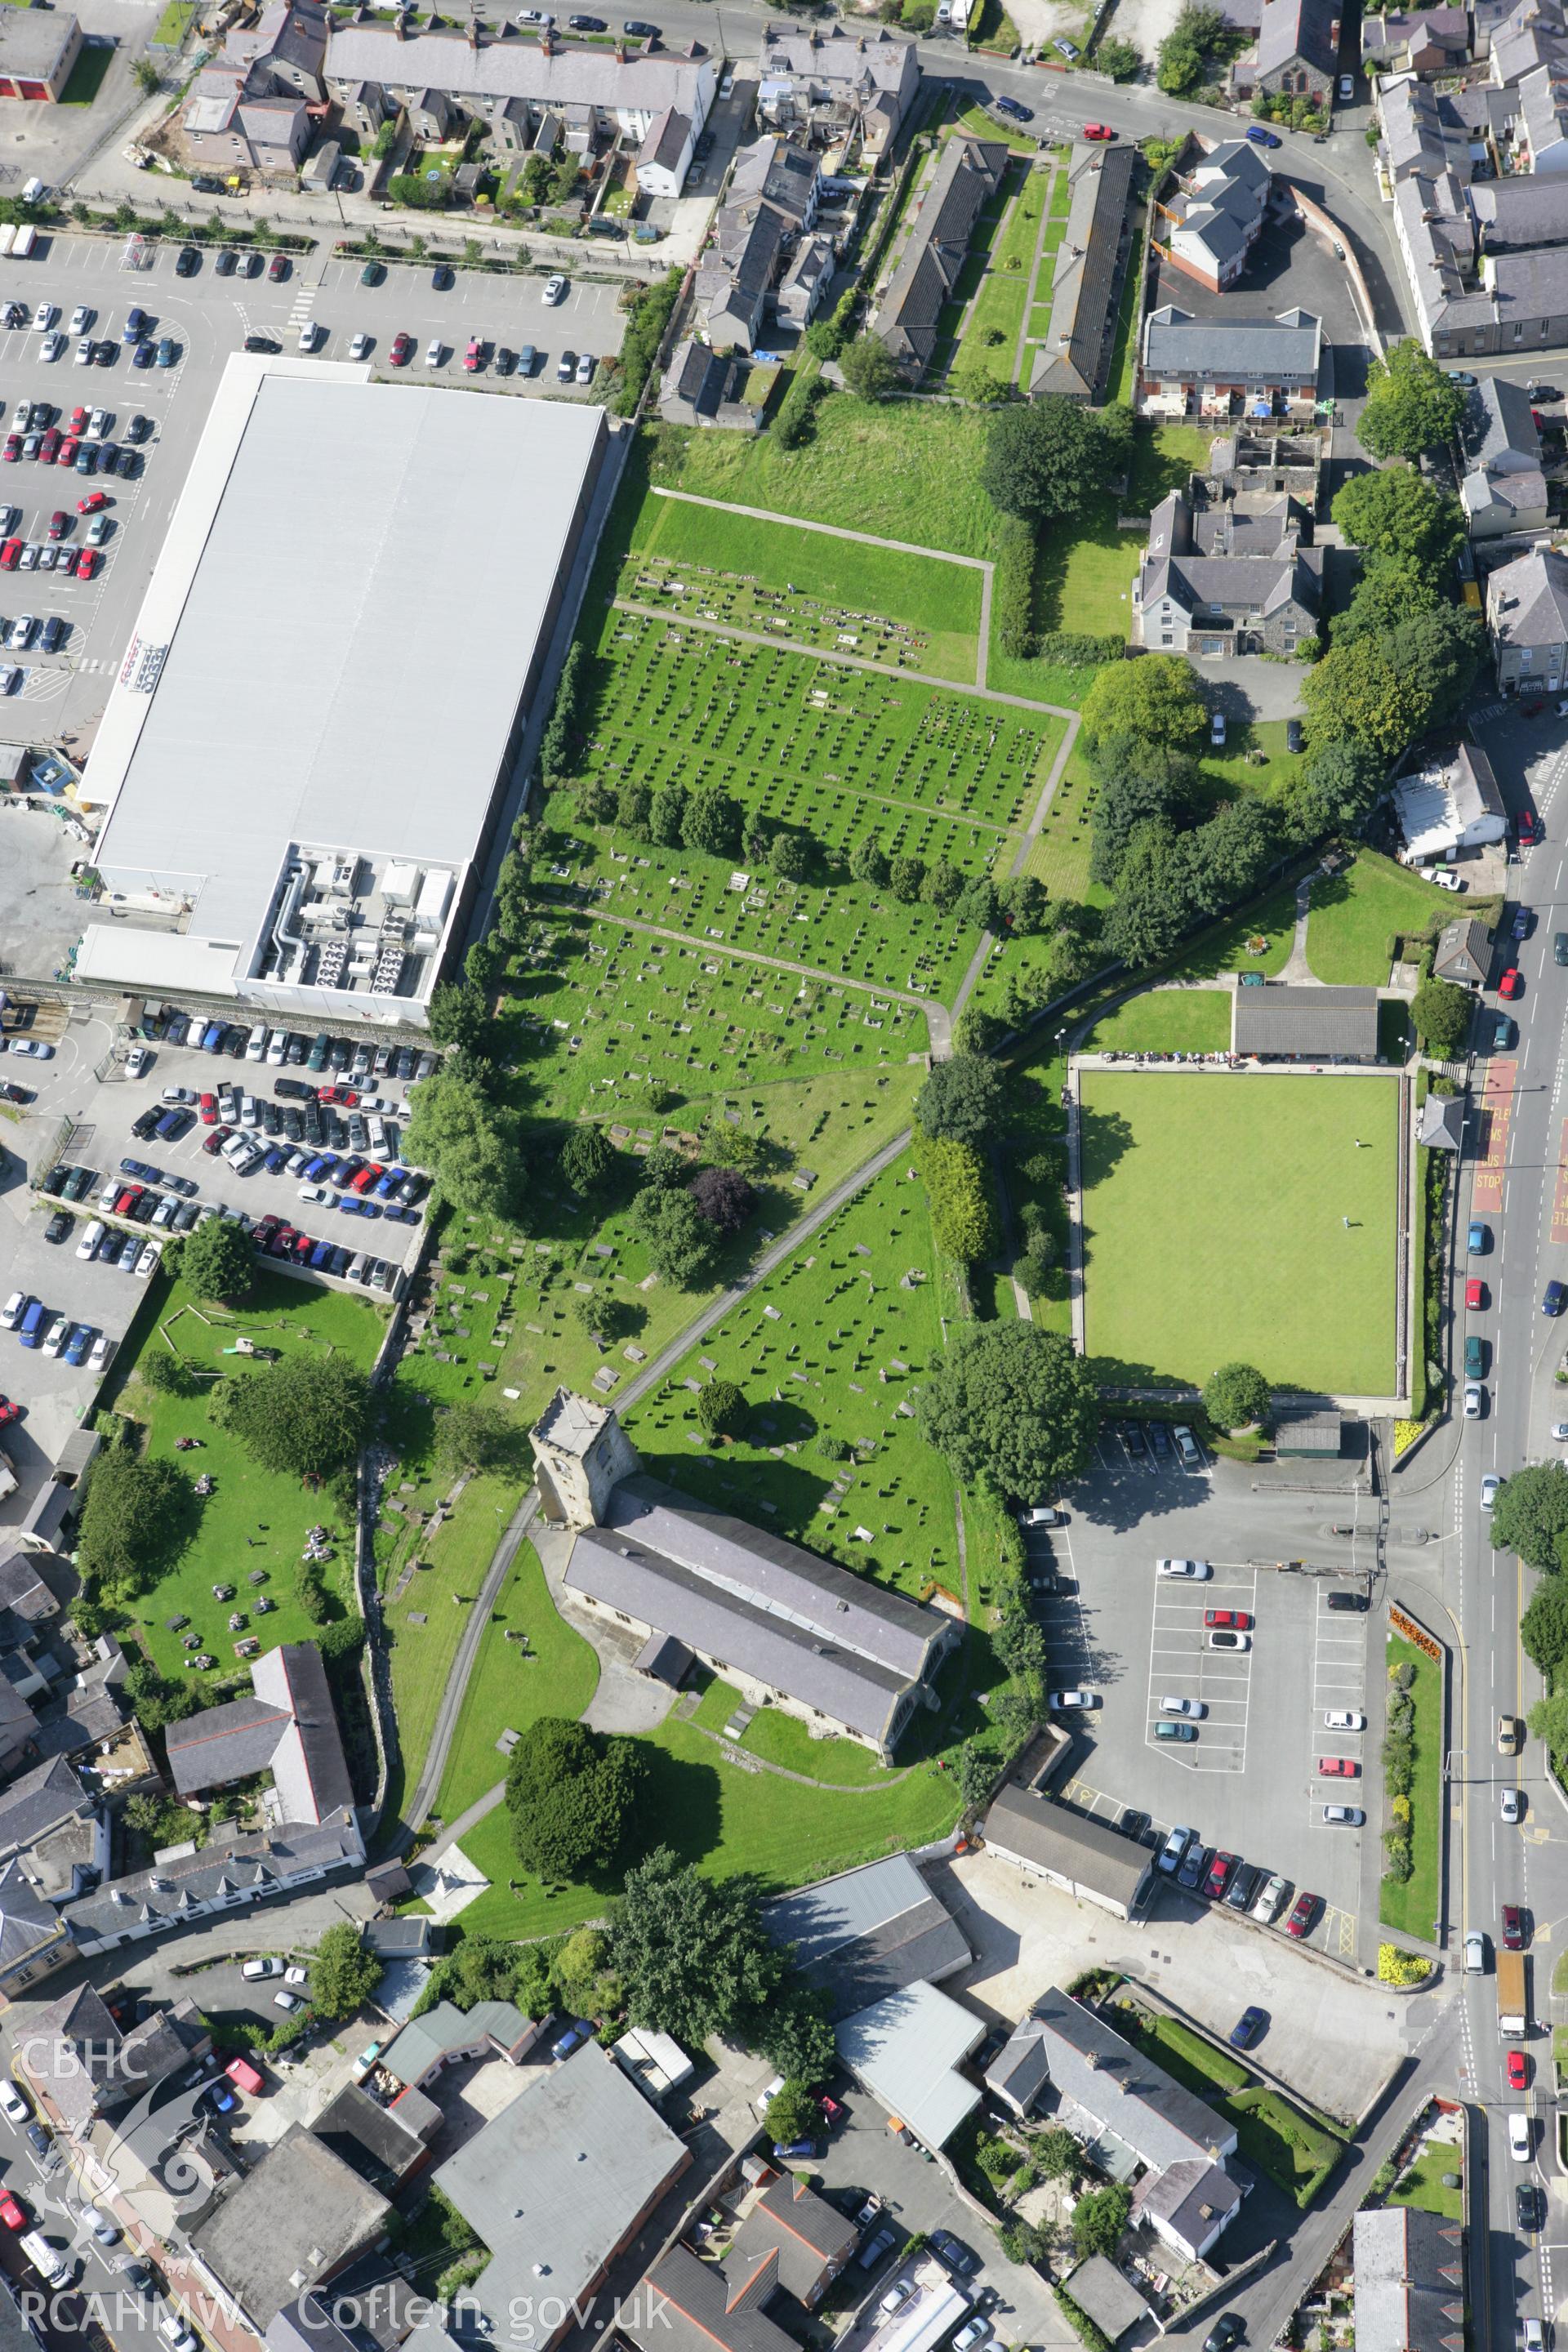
<point>1333,2038</point>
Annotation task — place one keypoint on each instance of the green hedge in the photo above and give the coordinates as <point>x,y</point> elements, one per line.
<point>1015,553</point>
<point>650,315</point>
<point>793,422</point>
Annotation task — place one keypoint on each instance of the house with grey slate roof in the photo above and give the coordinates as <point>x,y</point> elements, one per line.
<point>745,271</point>
<point>968,174</point>
<point>1420,132</point>
<point>33,1938</point>
<point>1252,368</point>
<point>790,2243</point>
<point>1209,222</point>
<point>1415,40</point>
<point>702,386</point>
<point>288,1727</point>
<point>1409,2277</point>
<point>440,2036</point>
<point>1064,2065</point>
<point>39,1802</point>
<point>866,1933</point>
<point>1296,54</point>
<point>1240,596</point>
<point>1504,487</point>
<point>843,1654</point>
<point>1087,273</point>
<point>842,89</point>
<point>229,1873</point>
<point>1463,955</point>
<point>1073,1850</point>
<point>1527,618</point>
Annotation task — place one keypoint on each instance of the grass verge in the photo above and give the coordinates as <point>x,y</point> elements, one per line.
<point>1413,1907</point>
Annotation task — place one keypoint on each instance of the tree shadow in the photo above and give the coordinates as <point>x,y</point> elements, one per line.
<point>1105,1137</point>
<point>681,1807</point>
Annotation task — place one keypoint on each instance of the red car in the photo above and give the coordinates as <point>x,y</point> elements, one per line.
<point>77,421</point>
<point>1518,2070</point>
<point>86,562</point>
<point>1098,130</point>
<point>367,1177</point>
<point>59,523</point>
<point>13,448</point>
<point>125,1200</point>
<point>402,350</point>
<point>94,503</point>
<point>1512,1927</point>
<point>345,1095</point>
<point>1302,1913</point>
<point>277,266</point>
<point>1240,1621</point>
<point>1218,1874</point>
<point>8,1411</point>
<point>49,447</point>
<point>68,449</point>
<point>1475,1293</point>
<point>473,358</point>
<point>10,555</point>
<point>216,1139</point>
<point>11,2212</point>
<point>208,1109</point>
<point>1341,1768</point>
<point>1529,827</point>
<point>1512,983</point>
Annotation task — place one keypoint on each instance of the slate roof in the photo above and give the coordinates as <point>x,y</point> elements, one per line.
<point>862,63</point>
<point>1527,600</point>
<point>1110,2299</point>
<point>560,2176</point>
<point>224,1743</point>
<point>967,172</point>
<point>1414,30</point>
<point>378,2143</point>
<point>1265,351</point>
<point>234,1864</point>
<point>778,172</point>
<point>1021,2068</point>
<point>1085,277</point>
<point>1313,1023</point>
<point>1110,2082</point>
<point>433,2036</point>
<point>1533,285</point>
<point>790,2239</point>
<point>27,1920</point>
<point>288,1726</point>
<point>834,1641</point>
<point>24,1585</point>
<point>1189,2197</point>
<point>868,1932</point>
<point>685,2305</point>
<point>1416,135</point>
<point>1222,206</point>
<point>1409,2285</point>
<point>288,2222</point>
<point>1250,584</point>
<point>1464,952</point>
<point>38,1801</point>
<point>701,378</point>
<point>443,63</point>
<point>1072,1845</point>
<point>1442,1127</point>
<point>1303,29</point>
<point>1497,425</point>
<point>1525,210</point>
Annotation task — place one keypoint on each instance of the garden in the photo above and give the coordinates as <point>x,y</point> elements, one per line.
<point>249,1532</point>
<point>1251,1217</point>
<point>1410,1900</point>
<point>1296,2151</point>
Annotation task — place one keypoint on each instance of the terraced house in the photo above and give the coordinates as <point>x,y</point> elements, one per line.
<point>968,174</point>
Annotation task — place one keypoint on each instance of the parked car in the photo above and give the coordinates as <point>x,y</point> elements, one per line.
<point>1248,2026</point>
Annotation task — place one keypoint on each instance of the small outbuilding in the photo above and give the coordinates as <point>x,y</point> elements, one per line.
<point>1280,1022</point>
<point>1442,1127</point>
<point>1107,2295</point>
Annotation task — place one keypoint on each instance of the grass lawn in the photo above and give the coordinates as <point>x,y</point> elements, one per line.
<point>1165,1021</point>
<point>1356,912</point>
<point>552,1671</point>
<point>1423,2184</point>
<point>173,23</point>
<point>1163,457</point>
<point>805,586</point>
<point>1224,946</point>
<point>1413,1907</point>
<point>253,1521</point>
<point>1178,1169</point>
<point>900,468</point>
<point>999,307</point>
<point>1124,350</point>
<point>438,1577</point>
<point>1297,2153</point>
<point>726,1817</point>
<point>828,1349</point>
<point>85,78</point>
<point>1086,572</point>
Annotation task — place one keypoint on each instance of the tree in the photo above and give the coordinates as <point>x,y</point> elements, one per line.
<point>711,822</point>
<point>146,76</point>
<point>1046,458</point>
<point>1236,1395</point>
<point>1022,904</point>
<point>796,2037</point>
<point>1140,782</point>
<point>1035,1262</point>
<point>468,1143</point>
<point>1181,61</point>
<point>1401,518</point>
<point>691,1951</point>
<point>634,807</point>
<point>1231,854</point>
<point>482,1970</point>
<point>1157,896</point>
<point>217,1261</point>
<point>1099,2220</point>
<point>869,861</point>
<point>678,1238</point>
<point>1386,595</point>
<point>1531,1512</point>
<point>722,1198</point>
<point>792,855</point>
<point>459,1017</point>
<point>721,1408</point>
<point>964,1101</point>
<point>344,1974</point>
<point>155,1700</point>
<point>573,1796</point>
<point>474,1436</point>
<point>601,1315</point>
<point>871,370</point>
<point>305,1417</point>
<point>1012,1410</point>
<point>664,1169</point>
<point>943,886</point>
<point>794,2112</point>
<point>165,1374</point>
<point>958,1195</point>
<point>1330,792</point>
<point>667,818</point>
<point>1057,2155</point>
<point>584,1977</point>
<point>1154,699</point>
<point>587,1157</point>
<point>1443,1015</point>
<point>905,875</point>
<point>1384,689</point>
<point>978,1032</point>
<point>1410,408</point>
<point>1544,1628</point>
<point>129,1520</point>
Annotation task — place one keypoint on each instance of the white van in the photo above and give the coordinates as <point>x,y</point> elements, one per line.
<point>89,1244</point>
<point>46,2260</point>
<point>256,1044</point>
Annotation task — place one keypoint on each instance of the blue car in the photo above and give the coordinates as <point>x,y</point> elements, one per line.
<point>346,1170</point>
<point>168,351</point>
<point>388,1184</point>
<point>578,2032</point>
<point>212,1037</point>
<point>316,1169</point>
<point>352,1206</point>
<point>788,2150</point>
<point>1247,2028</point>
<point>275,1159</point>
<point>1554,1299</point>
<point>1260,136</point>
<point>77,1342</point>
<point>369,1208</point>
<point>1479,1239</point>
<point>139,1168</point>
<point>135,325</point>
<point>143,356</point>
<point>221,2098</point>
<point>321,1253</point>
